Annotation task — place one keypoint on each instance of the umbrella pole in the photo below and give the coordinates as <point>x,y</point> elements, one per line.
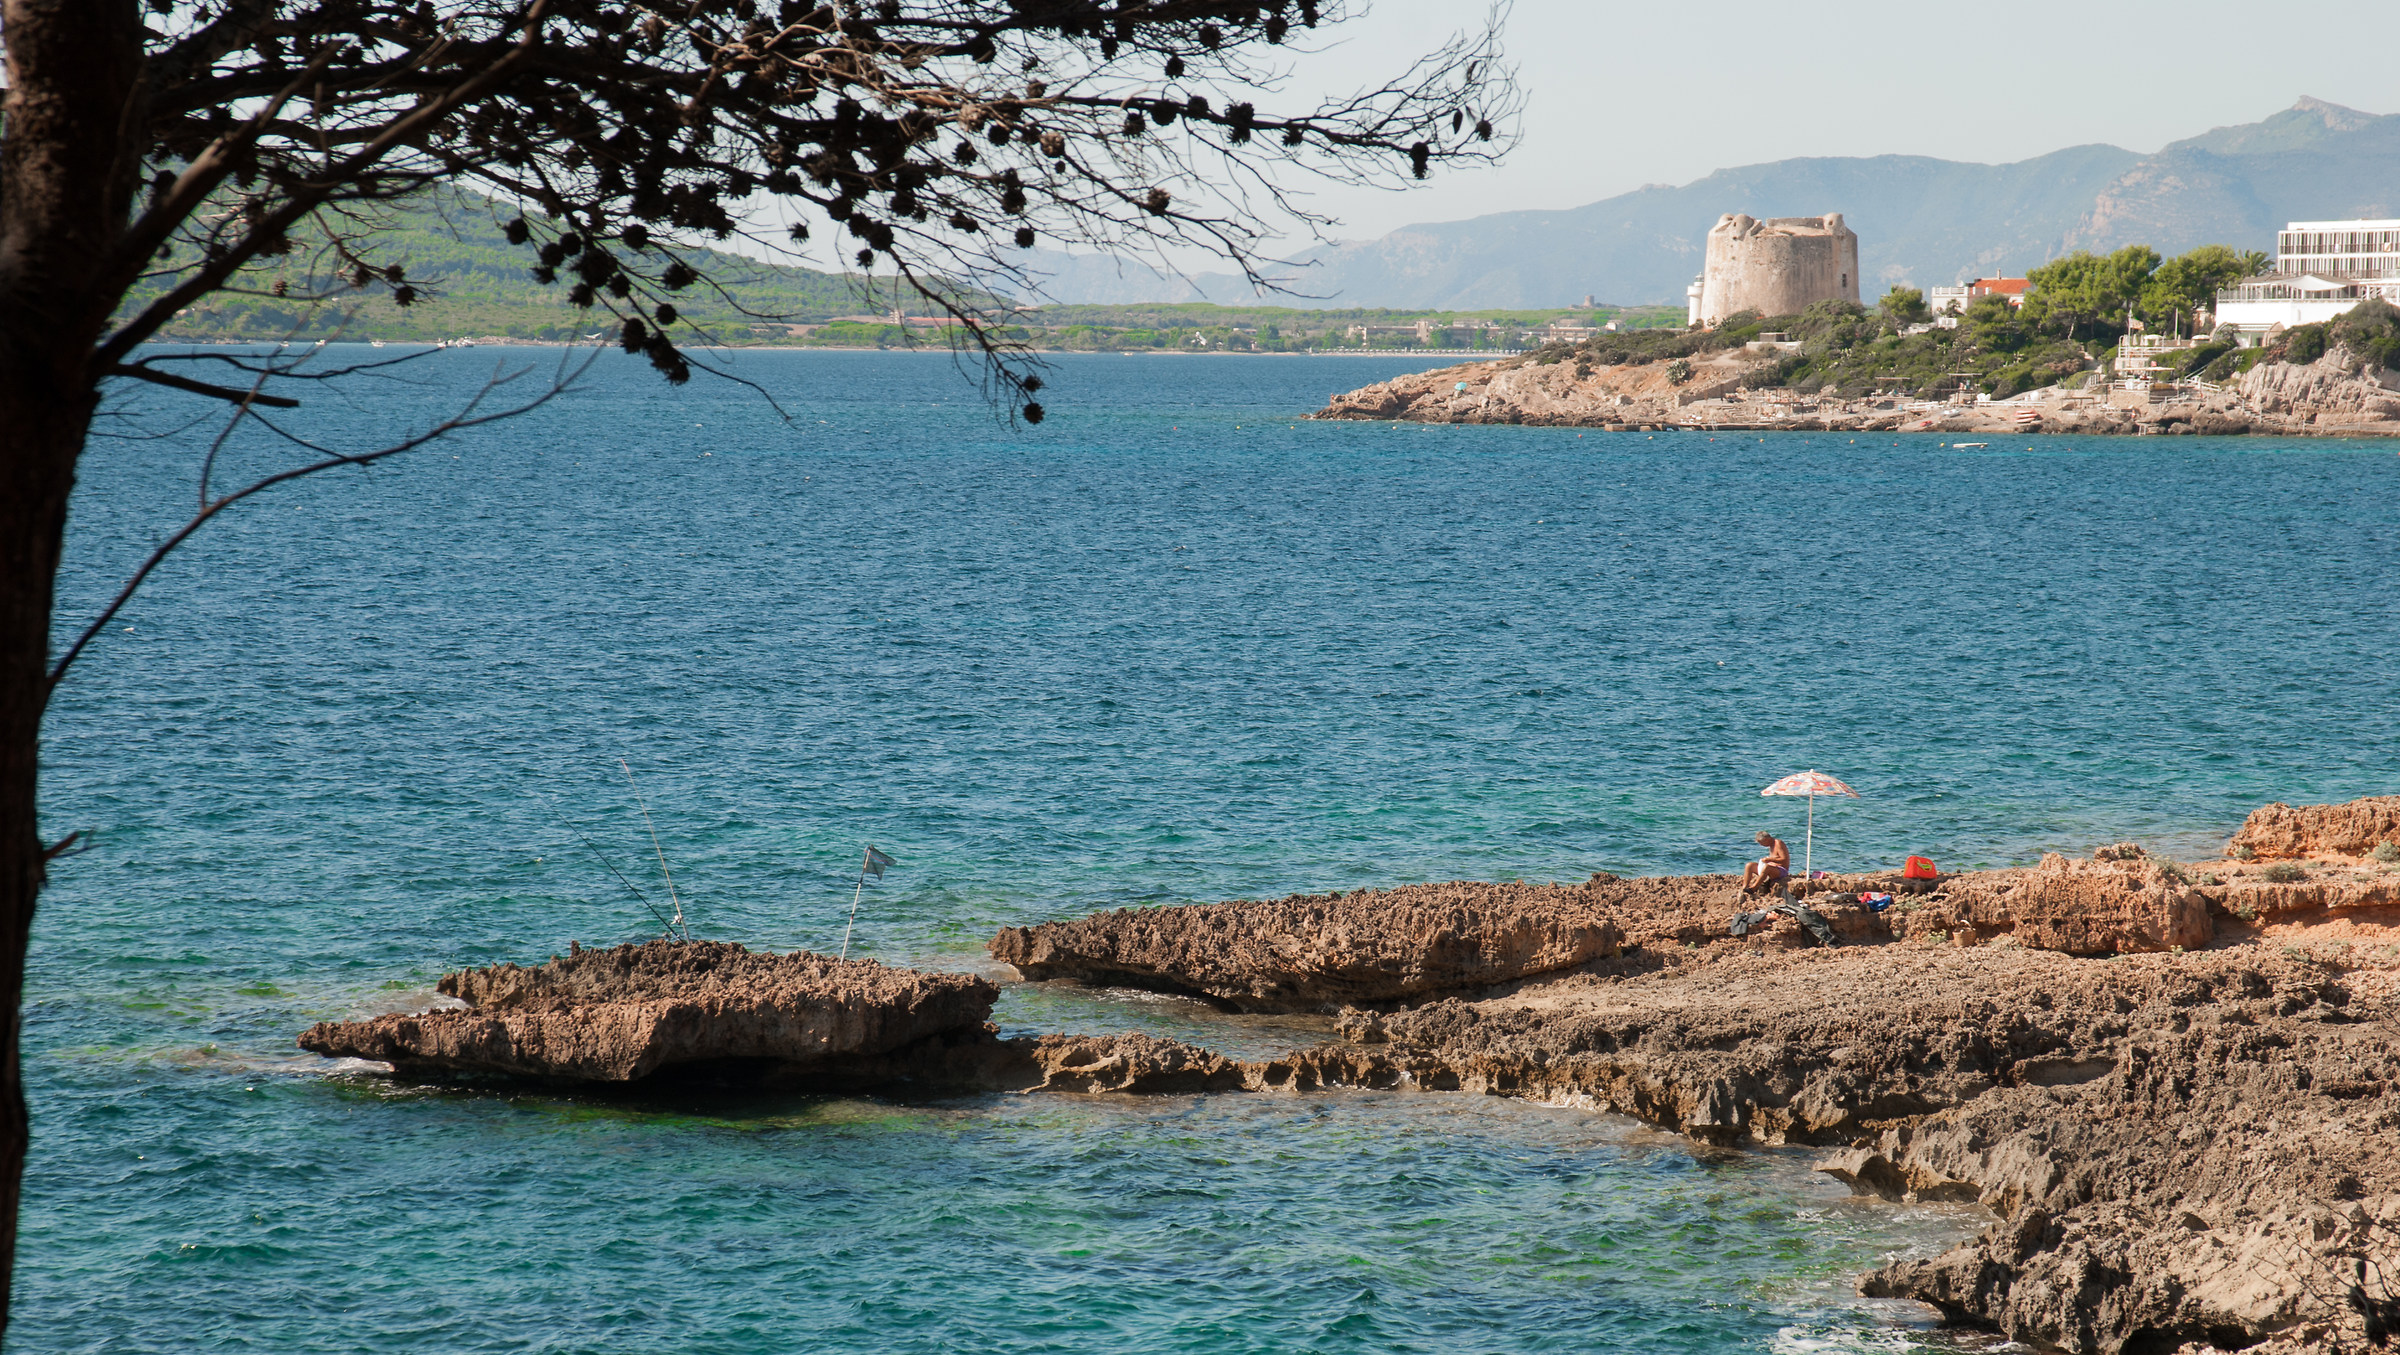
<point>1808,853</point>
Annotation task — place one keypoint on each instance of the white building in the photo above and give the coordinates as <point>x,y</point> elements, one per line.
<point>2366,250</point>
<point>1954,300</point>
<point>2322,269</point>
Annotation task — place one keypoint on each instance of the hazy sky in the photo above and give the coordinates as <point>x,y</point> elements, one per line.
<point>1623,94</point>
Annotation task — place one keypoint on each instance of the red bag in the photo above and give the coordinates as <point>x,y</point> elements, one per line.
<point>1919,868</point>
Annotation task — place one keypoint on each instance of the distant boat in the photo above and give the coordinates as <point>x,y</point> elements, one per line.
<point>378,343</point>
<point>462,343</point>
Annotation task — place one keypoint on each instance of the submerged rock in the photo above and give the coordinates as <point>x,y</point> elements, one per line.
<point>624,1014</point>
<point>1323,951</point>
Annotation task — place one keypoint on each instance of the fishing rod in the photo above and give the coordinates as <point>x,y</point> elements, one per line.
<point>610,867</point>
<point>662,853</point>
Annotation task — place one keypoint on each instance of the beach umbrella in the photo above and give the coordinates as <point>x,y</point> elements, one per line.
<point>1811,784</point>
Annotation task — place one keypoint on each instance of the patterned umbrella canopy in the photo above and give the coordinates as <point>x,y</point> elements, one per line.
<point>1809,783</point>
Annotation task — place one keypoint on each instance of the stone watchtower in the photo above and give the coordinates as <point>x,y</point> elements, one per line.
<point>1779,266</point>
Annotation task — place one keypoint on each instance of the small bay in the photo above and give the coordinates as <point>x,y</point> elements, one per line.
<point>1170,645</point>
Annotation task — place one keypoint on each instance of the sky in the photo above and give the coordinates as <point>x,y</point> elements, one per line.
<point>1624,94</point>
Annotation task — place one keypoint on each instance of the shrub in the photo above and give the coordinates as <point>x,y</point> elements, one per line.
<point>2246,913</point>
<point>2243,851</point>
<point>2370,329</point>
<point>2284,873</point>
<point>1679,371</point>
<point>2387,852</point>
<point>2304,344</point>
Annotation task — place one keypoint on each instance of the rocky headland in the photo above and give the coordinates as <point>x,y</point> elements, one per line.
<point>2173,1087</point>
<point>1731,391</point>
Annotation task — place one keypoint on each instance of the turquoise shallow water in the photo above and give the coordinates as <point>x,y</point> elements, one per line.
<point>1167,646</point>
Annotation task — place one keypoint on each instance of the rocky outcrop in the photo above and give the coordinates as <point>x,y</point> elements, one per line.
<point>1727,390</point>
<point>629,1013</point>
<point>2279,831</point>
<point>2335,390</point>
<point>1558,394</point>
<point>1321,951</point>
<point>1315,952</point>
<point>2115,907</point>
<point>2173,1147</point>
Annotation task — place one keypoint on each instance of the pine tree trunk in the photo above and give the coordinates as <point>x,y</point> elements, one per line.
<point>73,77</point>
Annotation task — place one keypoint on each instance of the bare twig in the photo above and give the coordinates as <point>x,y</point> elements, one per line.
<point>468,417</point>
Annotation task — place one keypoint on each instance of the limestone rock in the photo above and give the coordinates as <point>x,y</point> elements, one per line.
<point>2112,907</point>
<point>2335,390</point>
<point>2352,829</point>
<point>1323,951</point>
<point>623,1014</point>
<point>2175,1148</point>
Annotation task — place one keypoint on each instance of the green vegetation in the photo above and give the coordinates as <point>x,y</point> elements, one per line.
<point>2283,873</point>
<point>463,278</point>
<point>1902,306</point>
<point>1847,351</point>
<point>2371,330</point>
<point>466,280</point>
<point>2091,293</point>
<point>2066,331</point>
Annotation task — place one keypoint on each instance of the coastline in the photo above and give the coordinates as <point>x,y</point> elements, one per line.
<point>2172,1088</point>
<point>2332,397</point>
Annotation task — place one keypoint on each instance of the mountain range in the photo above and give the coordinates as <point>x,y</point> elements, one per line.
<point>1920,221</point>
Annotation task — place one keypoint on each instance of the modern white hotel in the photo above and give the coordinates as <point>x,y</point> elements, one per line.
<point>2322,268</point>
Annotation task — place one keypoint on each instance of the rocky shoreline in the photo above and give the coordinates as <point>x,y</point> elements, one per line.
<point>2175,1087</point>
<point>1728,391</point>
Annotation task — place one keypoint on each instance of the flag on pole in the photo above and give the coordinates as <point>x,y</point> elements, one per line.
<point>874,865</point>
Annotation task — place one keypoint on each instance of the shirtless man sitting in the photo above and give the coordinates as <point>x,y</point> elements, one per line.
<point>1760,876</point>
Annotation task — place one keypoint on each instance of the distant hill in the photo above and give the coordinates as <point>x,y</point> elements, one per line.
<point>474,283</point>
<point>1920,221</point>
<point>2314,161</point>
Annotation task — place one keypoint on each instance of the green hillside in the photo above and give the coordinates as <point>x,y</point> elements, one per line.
<point>471,283</point>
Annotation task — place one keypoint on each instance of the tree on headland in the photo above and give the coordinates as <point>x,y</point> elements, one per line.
<point>2189,282</point>
<point>2088,292</point>
<point>1903,306</point>
<point>2084,293</point>
<point>154,155</point>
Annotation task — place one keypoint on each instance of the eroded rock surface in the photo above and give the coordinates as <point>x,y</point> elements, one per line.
<point>1317,951</point>
<point>2352,829</point>
<point>2111,907</point>
<point>2336,391</point>
<point>2175,1147</point>
<point>623,1014</point>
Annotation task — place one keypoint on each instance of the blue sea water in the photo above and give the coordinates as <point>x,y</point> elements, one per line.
<point>1169,645</point>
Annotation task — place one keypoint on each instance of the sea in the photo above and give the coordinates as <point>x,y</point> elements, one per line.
<point>1173,644</point>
